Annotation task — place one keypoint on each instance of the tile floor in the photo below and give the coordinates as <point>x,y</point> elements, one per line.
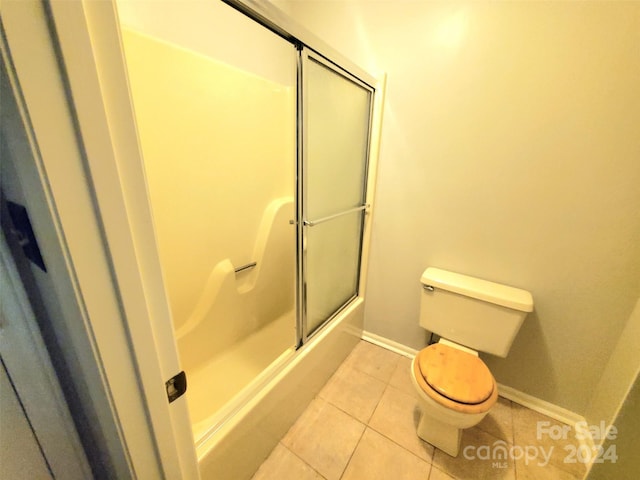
<point>362,425</point>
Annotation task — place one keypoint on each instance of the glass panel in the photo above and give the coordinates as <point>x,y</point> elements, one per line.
<point>333,261</point>
<point>215,101</point>
<point>336,133</point>
<point>337,140</point>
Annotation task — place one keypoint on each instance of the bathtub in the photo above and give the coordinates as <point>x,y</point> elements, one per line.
<point>242,321</point>
<point>261,415</point>
<point>247,382</point>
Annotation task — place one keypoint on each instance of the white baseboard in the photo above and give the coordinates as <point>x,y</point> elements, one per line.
<point>383,342</point>
<point>541,406</point>
<point>549,409</point>
<point>529,401</point>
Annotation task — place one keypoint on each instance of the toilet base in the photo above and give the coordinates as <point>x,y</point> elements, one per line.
<point>441,435</point>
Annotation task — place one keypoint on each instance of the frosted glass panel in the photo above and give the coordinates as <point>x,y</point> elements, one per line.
<point>337,139</point>
<point>333,260</point>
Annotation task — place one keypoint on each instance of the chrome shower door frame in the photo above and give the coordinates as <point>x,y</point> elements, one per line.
<point>304,223</point>
<point>310,45</point>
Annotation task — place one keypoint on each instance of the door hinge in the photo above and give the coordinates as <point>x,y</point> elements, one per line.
<point>176,386</point>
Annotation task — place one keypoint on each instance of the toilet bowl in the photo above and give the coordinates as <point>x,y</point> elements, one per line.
<point>455,388</point>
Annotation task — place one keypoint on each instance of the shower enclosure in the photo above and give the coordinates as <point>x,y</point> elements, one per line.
<point>336,111</point>
<point>256,154</point>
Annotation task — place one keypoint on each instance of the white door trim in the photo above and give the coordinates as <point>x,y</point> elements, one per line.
<point>106,247</point>
<point>89,38</point>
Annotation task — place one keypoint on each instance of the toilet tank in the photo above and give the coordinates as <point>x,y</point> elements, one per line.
<point>478,314</point>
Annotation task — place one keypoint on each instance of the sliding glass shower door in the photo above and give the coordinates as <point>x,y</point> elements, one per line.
<point>226,112</point>
<point>336,113</point>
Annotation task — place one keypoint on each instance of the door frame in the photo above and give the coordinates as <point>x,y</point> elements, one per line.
<point>71,80</point>
<point>68,75</point>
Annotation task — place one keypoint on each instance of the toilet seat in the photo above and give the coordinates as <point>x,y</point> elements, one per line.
<point>455,379</point>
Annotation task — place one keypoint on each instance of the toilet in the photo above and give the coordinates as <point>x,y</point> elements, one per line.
<point>455,387</point>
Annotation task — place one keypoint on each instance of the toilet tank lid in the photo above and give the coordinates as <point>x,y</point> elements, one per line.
<point>484,290</point>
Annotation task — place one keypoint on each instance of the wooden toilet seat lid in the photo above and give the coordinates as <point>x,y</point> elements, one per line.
<point>455,374</point>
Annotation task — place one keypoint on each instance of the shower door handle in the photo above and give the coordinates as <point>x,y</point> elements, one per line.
<point>313,223</point>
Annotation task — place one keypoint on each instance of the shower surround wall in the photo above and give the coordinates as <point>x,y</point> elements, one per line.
<point>219,151</point>
<point>209,189</point>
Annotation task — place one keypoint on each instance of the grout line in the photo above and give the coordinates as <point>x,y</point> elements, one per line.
<point>441,471</point>
<point>386,382</point>
<point>388,385</point>
<point>355,367</point>
<point>378,403</point>
<point>513,436</point>
<point>490,434</point>
<point>301,459</point>
<point>353,452</point>
<point>430,462</point>
<point>327,401</point>
<point>513,423</point>
<point>391,439</point>
<point>367,425</point>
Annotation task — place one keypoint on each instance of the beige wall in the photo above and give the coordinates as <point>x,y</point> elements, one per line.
<point>622,370</point>
<point>625,444</point>
<point>510,151</point>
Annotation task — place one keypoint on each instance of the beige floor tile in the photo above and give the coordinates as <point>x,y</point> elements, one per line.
<point>373,360</point>
<point>401,377</point>
<point>474,463</point>
<point>377,457</point>
<point>534,470</point>
<point>282,464</point>
<point>499,421</point>
<point>329,441</point>
<point>533,429</point>
<point>437,474</point>
<point>325,438</point>
<point>354,392</point>
<point>396,418</point>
